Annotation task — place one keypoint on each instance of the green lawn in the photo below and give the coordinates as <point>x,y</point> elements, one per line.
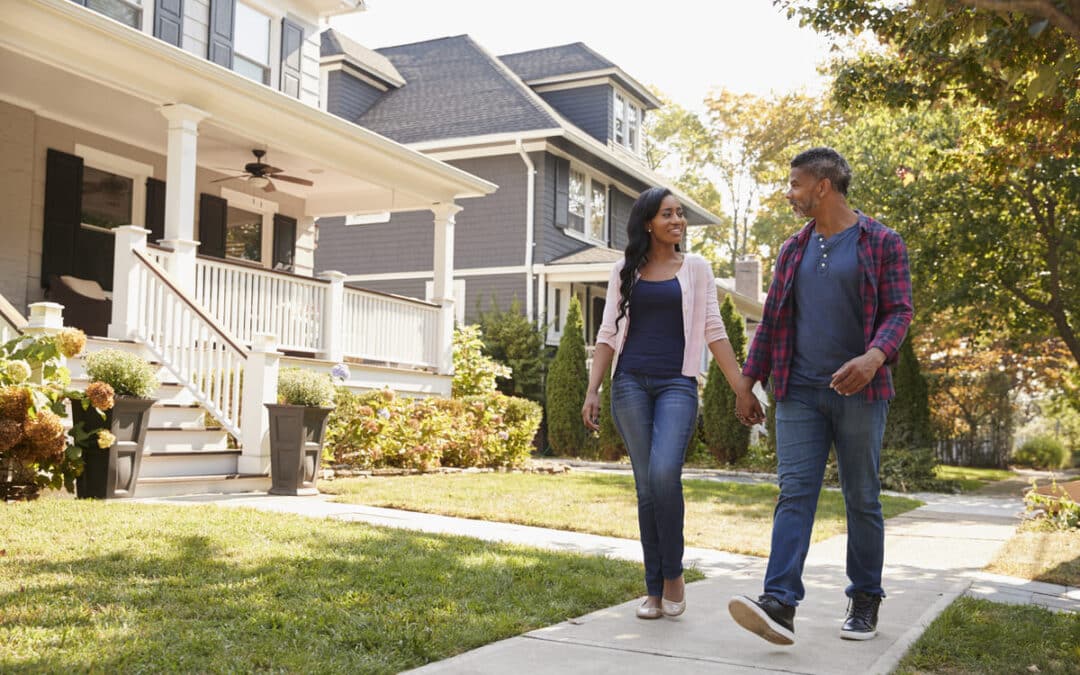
<point>969,478</point>
<point>974,637</point>
<point>113,587</point>
<point>727,516</point>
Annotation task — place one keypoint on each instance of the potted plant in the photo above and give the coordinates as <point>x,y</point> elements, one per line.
<point>297,430</point>
<point>35,450</point>
<point>110,424</point>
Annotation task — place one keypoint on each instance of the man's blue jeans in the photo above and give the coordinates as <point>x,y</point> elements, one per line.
<point>808,422</point>
<point>656,417</point>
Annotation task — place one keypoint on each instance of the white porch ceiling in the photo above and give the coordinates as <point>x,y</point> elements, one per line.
<point>70,64</point>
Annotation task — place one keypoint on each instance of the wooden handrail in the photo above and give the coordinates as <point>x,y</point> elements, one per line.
<point>163,277</point>
<point>11,315</point>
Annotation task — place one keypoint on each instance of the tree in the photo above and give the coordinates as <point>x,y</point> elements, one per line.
<point>567,383</point>
<point>510,338</point>
<point>908,423</point>
<point>726,437</point>
<point>1007,223</point>
<point>610,443</point>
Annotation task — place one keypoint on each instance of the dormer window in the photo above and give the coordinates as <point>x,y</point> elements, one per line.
<point>251,56</point>
<point>627,132</point>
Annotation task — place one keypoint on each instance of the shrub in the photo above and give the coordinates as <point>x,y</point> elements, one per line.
<point>1058,511</point>
<point>727,437</point>
<point>901,470</point>
<point>297,386</point>
<point>1041,452</point>
<point>511,339</point>
<point>609,443</point>
<point>908,423</point>
<point>128,374</point>
<point>474,373</point>
<point>759,457</point>
<point>380,429</point>
<point>566,385</point>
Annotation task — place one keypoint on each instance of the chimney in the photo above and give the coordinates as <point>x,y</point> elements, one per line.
<point>748,277</point>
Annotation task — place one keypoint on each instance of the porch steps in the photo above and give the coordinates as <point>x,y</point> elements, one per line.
<point>185,452</point>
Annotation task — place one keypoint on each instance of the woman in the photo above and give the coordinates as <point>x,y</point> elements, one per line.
<point>661,311</point>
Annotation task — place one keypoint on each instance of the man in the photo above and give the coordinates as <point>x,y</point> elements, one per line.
<point>836,314</point>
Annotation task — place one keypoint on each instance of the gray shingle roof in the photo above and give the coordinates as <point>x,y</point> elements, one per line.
<point>553,61</point>
<point>455,89</point>
<point>590,254</point>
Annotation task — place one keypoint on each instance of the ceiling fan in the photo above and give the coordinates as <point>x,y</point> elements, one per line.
<point>258,174</point>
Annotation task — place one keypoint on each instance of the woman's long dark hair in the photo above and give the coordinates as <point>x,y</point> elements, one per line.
<point>643,211</point>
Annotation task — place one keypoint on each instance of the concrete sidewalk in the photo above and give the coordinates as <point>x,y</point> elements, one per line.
<point>933,555</point>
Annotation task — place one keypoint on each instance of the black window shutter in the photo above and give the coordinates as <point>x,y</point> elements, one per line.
<point>63,213</point>
<point>292,41</point>
<point>213,219</point>
<point>155,209</point>
<point>169,21</point>
<point>284,242</point>
<point>222,17</point>
<point>562,192</point>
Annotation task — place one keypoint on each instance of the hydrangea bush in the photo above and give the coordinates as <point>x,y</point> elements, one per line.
<point>128,374</point>
<point>35,449</point>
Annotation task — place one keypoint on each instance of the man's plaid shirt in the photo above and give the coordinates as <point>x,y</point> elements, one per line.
<point>887,309</point>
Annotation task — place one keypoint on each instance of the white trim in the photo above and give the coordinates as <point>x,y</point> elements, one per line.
<point>645,97</point>
<point>469,141</point>
<point>428,274</point>
<point>576,84</point>
<point>591,176</point>
<point>138,172</point>
<point>353,71</point>
<point>367,218</point>
<point>459,298</point>
<point>486,151</point>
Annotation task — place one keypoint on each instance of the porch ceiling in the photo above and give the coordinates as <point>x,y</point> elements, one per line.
<point>73,65</point>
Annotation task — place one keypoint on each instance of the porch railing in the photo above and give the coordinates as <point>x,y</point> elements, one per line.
<point>248,301</point>
<point>12,322</point>
<point>385,328</point>
<point>190,343</point>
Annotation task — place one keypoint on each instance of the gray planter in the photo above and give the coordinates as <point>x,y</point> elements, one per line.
<point>112,473</point>
<point>296,441</point>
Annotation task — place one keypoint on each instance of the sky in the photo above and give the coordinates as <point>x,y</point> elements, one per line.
<point>686,48</point>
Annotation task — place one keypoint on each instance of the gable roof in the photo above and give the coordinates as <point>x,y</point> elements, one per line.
<point>432,105</point>
<point>575,61</point>
<point>334,44</point>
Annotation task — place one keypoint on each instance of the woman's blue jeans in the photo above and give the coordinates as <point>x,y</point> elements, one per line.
<point>808,422</point>
<point>656,417</point>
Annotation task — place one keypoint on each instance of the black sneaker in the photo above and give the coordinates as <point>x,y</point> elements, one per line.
<point>861,623</point>
<point>766,616</point>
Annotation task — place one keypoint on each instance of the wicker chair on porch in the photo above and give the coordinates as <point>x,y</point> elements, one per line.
<point>85,304</point>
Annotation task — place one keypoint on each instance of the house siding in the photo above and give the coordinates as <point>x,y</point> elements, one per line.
<point>479,291</point>
<point>17,150</point>
<point>309,63</point>
<point>489,231</point>
<point>590,108</point>
<point>348,97</point>
<point>621,204</point>
<point>551,242</point>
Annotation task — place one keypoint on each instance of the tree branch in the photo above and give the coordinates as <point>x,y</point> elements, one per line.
<point>1041,8</point>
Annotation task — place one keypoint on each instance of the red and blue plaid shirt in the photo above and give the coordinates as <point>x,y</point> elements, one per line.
<point>886,298</point>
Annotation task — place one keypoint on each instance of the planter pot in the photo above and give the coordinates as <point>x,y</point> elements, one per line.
<point>112,472</point>
<point>296,441</point>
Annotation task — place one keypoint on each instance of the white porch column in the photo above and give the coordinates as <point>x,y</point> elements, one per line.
<point>46,318</point>
<point>180,191</point>
<point>260,387</point>
<point>333,310</point>
<point>443,287</point>
<point>541,301</point>
<point>125,300</point>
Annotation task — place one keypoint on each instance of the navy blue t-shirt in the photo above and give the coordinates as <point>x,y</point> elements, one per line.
<point>655,340</point>
<point>828,308</point>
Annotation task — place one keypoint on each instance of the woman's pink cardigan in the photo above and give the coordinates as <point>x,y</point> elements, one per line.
<point>702,324</point>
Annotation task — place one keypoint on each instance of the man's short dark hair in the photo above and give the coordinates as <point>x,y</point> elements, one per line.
<point>825,163</point>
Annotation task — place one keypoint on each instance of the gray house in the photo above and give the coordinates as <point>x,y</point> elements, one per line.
<point>559,130</point>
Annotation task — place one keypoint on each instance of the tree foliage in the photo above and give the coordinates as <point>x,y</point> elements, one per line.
<point>567,383</point>
<point>511,339</point>
<point>908,423</point>
<point>726,437</point>
<point>609,444</point>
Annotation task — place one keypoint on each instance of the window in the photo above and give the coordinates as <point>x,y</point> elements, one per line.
<point>243,235</point>
<point>251,49</point>
<point>577,201</point>
<point>106,198</point>
<point>628,118</point>
<point>620,119</point>
<point>558,310</point>
<point>597,211</point>
<point>587,207</point>
<point>125,11</point>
